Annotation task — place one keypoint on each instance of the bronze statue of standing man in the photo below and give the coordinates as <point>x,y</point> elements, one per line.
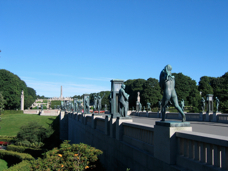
<point>123,101</point>
<point>167,84</point>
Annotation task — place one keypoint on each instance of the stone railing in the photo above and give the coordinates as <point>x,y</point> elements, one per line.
<point>89,120</point>
<point>222,118</point>
<point>137,146</point>
<point>212,117</point>
<point>139,135</point>
<point>198,150</point>
<point>100,124</point>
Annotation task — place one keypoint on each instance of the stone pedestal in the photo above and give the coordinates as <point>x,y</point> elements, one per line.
<point>214,119</point>
<point>165,144</point>
<point>208,116</point>
<point>159,114</point>
<point>201,116</point>
<point>84,117</point>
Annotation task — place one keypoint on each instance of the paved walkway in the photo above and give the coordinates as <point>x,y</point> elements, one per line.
<point>197,126</point>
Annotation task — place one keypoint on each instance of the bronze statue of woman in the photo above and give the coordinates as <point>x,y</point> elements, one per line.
<point>167,84</point>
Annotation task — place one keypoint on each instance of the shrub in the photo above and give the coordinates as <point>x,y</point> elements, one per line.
<point>24,165</point>
<point>32,135</point>
<point>12,157</point>
<point>67,157</point>
<point>19,149</point>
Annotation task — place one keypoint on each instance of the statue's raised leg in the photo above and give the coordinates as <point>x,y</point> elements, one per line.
<point>175,101</point>
<point>164,104</point>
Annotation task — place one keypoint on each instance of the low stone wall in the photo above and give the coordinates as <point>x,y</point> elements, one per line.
<point>54,112</point>
<point>131,145</point>
<point>35,112</point>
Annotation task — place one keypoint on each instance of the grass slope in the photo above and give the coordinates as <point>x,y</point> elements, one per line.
<point>11,123</point>
<point>3,165</point>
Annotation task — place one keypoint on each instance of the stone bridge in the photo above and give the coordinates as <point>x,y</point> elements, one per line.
<point>141,145</point>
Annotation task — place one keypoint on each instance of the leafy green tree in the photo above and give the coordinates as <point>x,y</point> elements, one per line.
<point>151,92</point>
<point>105,99</point>
<point>33,133</point>
<point>2,102</point>
<point>132,87</point>
<point>184,87</point>
<point>205,86</point>
<point>31,92</point>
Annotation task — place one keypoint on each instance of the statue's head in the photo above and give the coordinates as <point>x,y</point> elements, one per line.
<point>123,86</point>
<point>168,67</point>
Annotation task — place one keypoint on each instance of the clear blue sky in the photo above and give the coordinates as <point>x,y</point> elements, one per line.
<point>83,44</point>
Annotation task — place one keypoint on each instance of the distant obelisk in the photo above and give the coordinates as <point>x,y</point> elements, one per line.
<point>61,95</point>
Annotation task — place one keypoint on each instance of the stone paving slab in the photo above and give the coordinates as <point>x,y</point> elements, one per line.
<point>198,126</point>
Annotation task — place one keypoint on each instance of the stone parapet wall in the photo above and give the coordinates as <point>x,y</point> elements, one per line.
<point>207,117</point>
<point>131,145</point>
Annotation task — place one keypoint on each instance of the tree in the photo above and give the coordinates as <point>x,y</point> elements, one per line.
<point>151,92</point>
<point>2,102</point>
<point>11,86</point>
<point>205,86</point>
<point>132,87</point>
<point>31,92</point>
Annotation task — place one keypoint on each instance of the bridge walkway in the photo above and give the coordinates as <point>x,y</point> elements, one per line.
<point>197,126</point>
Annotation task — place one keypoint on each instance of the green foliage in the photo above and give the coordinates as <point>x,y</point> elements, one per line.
<point>67,157</point>
<point>104,101</point>
<point>12,157</point>
<point>2,103</point>
<point>24,166</point>
<point>5,112</point>
<point>32,135</point>
<point>21,149</point>
<point>16,148</point>
<point>151,92</point>
<point>132,87</point>
<point>55,103</point>
<point>45,101</point>
<point>31,92</point>
<point>187,89</point>
<point>11,86</point>
<point>42,97</point>
<point>3,164</point>
<point>218,87</point>
<point>78,96</point>
<point>7,138</point>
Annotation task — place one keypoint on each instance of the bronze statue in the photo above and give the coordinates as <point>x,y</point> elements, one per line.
<point>123,101</point>
<point>203,104</point>
<point>86,105</point>
<point>99,99</point>
<point>159,105</point>
<point>217,103</point>
<point>167,84</point>
<point>182,104</point>
<point>95,102</point>
<point>148,107</point>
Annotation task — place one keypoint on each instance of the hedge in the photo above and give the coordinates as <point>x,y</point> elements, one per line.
<point>55,103</point>
<point>21,149</point>
<point>12,112</point>
<point>7,138</point>
<point>12,157</point>
<point>24,165</point>
<point>15,148</point>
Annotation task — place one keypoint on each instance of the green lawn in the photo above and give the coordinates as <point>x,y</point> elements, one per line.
<point>11,123</point>
<point>3,165</point>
